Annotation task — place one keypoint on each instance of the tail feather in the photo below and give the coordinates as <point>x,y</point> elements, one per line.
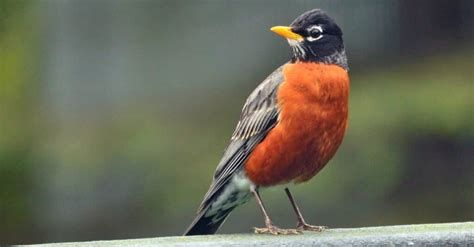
<point>217,206</point>
<point>206,225</point>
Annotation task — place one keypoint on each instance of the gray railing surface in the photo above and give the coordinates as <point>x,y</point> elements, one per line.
<point>447,234</point>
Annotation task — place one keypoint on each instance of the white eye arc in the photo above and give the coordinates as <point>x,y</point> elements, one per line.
<point>315,27</point>
<point>312,29</point>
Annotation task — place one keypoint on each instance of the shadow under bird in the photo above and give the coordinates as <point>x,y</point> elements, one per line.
<point>291,125</point>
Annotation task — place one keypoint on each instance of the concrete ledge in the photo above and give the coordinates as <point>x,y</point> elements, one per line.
<point>450,234</point>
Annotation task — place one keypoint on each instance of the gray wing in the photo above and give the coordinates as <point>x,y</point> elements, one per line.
<point>259,115</point>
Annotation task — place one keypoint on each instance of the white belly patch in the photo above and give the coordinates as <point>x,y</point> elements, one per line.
<point>235,193</point>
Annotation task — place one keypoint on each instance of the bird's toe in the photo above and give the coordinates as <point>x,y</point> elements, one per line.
<point>276,231</point>
<point>308,227</point>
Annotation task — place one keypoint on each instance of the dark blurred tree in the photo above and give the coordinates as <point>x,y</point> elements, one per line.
<point>17,118</point>
<point>427,26</point>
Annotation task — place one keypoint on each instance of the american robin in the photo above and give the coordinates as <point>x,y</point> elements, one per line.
<point>291,125</point>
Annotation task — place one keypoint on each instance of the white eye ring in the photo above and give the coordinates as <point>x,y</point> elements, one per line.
<point>315,27</point>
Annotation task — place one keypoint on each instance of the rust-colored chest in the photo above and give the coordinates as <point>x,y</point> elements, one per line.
<point>313,101</point>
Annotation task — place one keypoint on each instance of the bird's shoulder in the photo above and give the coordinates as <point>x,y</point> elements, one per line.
<point>260,105</point>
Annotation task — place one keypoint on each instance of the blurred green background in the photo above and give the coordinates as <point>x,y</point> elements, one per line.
<point>114,114</point>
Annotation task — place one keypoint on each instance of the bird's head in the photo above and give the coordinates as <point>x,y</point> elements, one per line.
<point>314,37</point>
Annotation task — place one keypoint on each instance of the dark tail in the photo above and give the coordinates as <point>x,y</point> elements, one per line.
<point>216,207</point>
<point>206,225</point>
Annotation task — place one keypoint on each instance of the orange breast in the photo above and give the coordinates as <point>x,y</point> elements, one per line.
<point>313,101</point>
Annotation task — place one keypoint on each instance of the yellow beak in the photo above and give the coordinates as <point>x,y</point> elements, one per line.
<point>286,32</point>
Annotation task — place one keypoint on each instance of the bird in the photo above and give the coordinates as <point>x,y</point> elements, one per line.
<point>290,126</point>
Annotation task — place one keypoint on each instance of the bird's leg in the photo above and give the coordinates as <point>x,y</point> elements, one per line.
<point>302,225</point>
<point>270,228</point>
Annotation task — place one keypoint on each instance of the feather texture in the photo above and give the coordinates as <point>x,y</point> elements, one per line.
<point>259,115</point>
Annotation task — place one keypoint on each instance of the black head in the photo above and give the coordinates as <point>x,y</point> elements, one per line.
<point>315,37</point>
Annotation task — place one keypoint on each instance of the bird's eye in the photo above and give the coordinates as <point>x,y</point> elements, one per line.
<point>315,33</point>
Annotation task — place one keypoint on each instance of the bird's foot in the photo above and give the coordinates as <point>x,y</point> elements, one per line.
<point>271,229</point>
<point>308,227</point>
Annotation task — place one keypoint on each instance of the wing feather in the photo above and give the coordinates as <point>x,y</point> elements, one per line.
<point>259,115</point>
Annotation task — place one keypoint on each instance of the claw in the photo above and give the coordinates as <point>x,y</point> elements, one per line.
<point>308,227</point>
<point>276,231</point>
